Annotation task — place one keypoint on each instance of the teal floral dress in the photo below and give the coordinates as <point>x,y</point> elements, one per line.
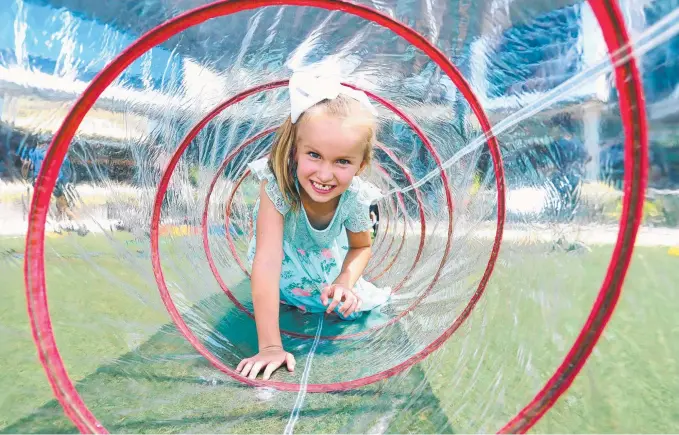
<point>312,257</point>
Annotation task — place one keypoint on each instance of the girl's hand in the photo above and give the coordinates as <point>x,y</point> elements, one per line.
<point>268,359</point>
<point>339,293</point>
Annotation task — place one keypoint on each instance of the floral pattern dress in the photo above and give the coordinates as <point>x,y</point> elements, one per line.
<point>313,258</point>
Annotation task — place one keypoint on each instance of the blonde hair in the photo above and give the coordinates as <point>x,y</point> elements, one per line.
<point>282,159</point>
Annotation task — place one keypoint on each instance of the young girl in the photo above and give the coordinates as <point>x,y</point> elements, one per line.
<point>312,221</point>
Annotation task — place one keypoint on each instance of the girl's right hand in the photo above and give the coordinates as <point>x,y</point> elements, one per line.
<point>268,359</point>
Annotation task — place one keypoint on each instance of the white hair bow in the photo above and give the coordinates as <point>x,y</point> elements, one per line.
<point>308,88</point>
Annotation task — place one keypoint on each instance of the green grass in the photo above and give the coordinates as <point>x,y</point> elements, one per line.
<point>631,382</point>
<point>157,382</point>
<point>138,374</point>
<point>162,387</point>
<point>79,297</point>
<point>537,302</point>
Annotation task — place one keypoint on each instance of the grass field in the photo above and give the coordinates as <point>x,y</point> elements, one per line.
<point>138,375</point>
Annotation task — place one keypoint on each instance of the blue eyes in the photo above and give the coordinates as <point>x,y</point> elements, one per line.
<point>314,155</point>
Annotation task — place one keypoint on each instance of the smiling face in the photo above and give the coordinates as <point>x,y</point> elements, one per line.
<point>330,151</point>
<point>329,145</point>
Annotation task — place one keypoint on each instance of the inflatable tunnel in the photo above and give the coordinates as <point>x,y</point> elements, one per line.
<point>529,163</point>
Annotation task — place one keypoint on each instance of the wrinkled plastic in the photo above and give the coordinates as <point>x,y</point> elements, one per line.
<point>542,74</point>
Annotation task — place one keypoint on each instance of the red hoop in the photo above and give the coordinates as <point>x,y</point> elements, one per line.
<point>34,270</point>
<point>239,97</point>
<point>632,108</point>
<point>633,114</point>
<point>243,177</point>
<point>227,220</point>
<point>234,253</point>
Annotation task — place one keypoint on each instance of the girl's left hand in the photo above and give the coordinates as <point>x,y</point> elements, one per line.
<point>339,293</point>
<point>269,359</point>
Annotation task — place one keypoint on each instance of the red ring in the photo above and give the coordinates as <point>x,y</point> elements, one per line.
<point>633,114</point>
<point>234,252</point>
<point>391,242</point>
<point>206,242</point>
<point>239,97</point>
<point>181,325</point>
<point>405,221</point>
<point>229,239</point>
<point>227,221</point>
<point>378,241</point>
<point>636,149</point>
<point>380,237</point>
<point>385,233</point>
<point>420,248</point>
<point>432,151</point>
<point>167,299</point>
<point>34,272</point>
<point>229,202</point>
<point>192,134</point>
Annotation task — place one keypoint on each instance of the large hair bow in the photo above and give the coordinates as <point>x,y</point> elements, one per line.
<point>309,88</point>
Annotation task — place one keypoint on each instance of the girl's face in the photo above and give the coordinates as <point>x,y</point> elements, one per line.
<point>329,154</point>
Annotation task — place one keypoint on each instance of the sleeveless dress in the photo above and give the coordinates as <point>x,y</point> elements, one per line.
<point>312,257</point>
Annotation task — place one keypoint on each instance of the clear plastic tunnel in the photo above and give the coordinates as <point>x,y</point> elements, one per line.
<point>528,155</point>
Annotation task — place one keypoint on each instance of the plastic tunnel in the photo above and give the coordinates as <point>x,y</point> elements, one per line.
<point>528,155</point>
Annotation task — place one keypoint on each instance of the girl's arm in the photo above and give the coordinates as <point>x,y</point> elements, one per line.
<point>356,260</point>
<point>266,272</point>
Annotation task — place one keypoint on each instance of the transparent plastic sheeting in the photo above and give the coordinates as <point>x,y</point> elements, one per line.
<point>506,254</point>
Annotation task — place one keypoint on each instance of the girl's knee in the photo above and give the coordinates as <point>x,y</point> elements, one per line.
<point>350,317</point>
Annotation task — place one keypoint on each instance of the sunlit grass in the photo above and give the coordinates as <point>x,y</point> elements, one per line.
<point>139,375</point>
